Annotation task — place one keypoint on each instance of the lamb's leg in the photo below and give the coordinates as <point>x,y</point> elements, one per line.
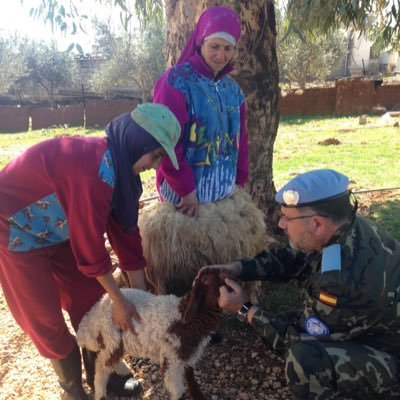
<point>122,368</point>
<point>193,387</point>
<point>103,371</point>
<point>173,379</point>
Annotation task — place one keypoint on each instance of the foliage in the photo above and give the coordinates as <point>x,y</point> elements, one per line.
<point>362,15</point>
<point>134,59</point>
<point>46,67</point>
<point>12,66</point>
<point>30,64</point>
<point>307,58</point>
<point>65,15</point>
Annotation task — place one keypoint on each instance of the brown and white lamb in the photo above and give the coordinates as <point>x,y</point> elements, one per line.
<point>173,333</point>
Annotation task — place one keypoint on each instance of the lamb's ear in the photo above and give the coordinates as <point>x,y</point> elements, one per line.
<point>195,297</point>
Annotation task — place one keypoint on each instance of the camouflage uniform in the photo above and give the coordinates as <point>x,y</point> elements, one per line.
<point>345,342</point>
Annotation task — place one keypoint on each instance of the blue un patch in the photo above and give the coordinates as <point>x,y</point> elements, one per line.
<point>315,327</point>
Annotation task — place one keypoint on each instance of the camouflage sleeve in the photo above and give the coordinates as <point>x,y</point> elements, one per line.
<point>276,331</point>
<point>345,311</point>
<point>275,265</point>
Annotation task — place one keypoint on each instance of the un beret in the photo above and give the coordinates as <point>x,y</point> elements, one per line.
<point>313,187</point>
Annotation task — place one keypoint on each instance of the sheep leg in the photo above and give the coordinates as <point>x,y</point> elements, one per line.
<point>102,374</point>
<point>193,387</point>
<point>122,368</point>
<point>173,379</point>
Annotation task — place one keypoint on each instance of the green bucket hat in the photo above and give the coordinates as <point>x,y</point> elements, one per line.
<point>160,123</point>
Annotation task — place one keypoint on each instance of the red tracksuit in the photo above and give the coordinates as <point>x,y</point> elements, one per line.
<point>55,207</point>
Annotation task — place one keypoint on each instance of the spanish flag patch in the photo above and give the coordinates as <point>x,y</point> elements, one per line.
<point>328,299</point>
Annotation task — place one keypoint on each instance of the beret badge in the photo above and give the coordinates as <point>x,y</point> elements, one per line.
<point>291,197</point>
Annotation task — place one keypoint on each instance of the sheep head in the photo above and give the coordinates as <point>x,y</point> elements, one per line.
<point>205,290</point>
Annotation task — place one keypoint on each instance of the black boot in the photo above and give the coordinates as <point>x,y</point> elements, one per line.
<point>69,372</point>
<point>117,385</point>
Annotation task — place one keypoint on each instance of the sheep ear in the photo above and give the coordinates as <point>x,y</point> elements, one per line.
<point>194,298</point>
<point>193,304</point>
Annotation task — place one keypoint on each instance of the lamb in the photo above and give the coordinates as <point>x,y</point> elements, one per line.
<point>173,333</point>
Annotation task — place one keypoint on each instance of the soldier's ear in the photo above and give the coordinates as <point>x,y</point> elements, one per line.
<point>319,225</point>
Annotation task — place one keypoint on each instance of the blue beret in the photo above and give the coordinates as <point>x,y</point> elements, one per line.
<point>313,187</point>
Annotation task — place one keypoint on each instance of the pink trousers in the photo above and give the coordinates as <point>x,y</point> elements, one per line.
<point>37,285</point>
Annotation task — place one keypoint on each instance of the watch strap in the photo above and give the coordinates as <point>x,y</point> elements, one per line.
<point>244,310</point>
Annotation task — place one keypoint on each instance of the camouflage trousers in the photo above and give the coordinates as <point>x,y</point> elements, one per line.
<point>333,371</point>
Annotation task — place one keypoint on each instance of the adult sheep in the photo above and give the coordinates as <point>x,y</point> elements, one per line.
<point>176,246</point>
<point>173,333</point>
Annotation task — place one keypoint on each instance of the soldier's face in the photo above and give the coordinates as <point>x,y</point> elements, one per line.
<point>298,227</point>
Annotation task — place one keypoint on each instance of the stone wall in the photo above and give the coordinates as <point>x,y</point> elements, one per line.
<point>349,96</point>
<point>96,113</point>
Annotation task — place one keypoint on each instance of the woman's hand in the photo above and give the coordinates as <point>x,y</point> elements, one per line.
<point>123,310</point>
<point>189,205</point>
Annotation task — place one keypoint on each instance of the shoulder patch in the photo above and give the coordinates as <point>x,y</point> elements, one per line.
<point>315,327</point>
<point>328,299</point>
<point>331,258</point>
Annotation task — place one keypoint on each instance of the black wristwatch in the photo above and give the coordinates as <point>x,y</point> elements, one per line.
<point>244,310</point>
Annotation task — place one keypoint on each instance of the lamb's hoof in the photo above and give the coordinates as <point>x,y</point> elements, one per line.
<point>124,386</point>
<point>215,338</point>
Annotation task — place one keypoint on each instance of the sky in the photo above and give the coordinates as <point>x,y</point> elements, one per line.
<point>15,18</point>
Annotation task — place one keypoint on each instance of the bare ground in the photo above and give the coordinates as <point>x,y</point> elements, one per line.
<point>239,367</point>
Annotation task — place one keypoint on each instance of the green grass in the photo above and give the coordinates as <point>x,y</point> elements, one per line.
<point>13,144</point>
<point>368,154</point>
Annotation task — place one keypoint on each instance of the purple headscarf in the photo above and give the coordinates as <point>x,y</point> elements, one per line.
<point>212,20</point>
<point>127,142</point>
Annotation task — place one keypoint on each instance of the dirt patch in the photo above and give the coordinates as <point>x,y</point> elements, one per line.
<point>330,142</point>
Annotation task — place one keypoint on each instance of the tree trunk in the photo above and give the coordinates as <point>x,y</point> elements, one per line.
<point>257,73</point>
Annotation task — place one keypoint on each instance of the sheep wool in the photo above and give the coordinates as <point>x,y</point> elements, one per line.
<point>176,246</point>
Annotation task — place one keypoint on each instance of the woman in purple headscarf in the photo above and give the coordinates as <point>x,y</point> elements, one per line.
<point>205,214</point>
<point>210,106</point>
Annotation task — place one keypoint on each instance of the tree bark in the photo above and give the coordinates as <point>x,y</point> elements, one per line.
<point>256,70</point>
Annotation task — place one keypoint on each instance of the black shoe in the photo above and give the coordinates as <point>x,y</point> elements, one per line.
<point>125,386</point>
<point>216,338</point>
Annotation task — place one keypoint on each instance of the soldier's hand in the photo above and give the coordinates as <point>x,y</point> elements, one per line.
<point>235,268</point>
<point>231,296</point>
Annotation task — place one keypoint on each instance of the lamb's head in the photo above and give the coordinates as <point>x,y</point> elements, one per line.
<point>205,291</point>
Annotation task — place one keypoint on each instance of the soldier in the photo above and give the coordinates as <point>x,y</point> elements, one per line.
<point>345,341</point>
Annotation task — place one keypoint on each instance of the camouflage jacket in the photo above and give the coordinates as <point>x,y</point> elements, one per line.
<point>351,290</point>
